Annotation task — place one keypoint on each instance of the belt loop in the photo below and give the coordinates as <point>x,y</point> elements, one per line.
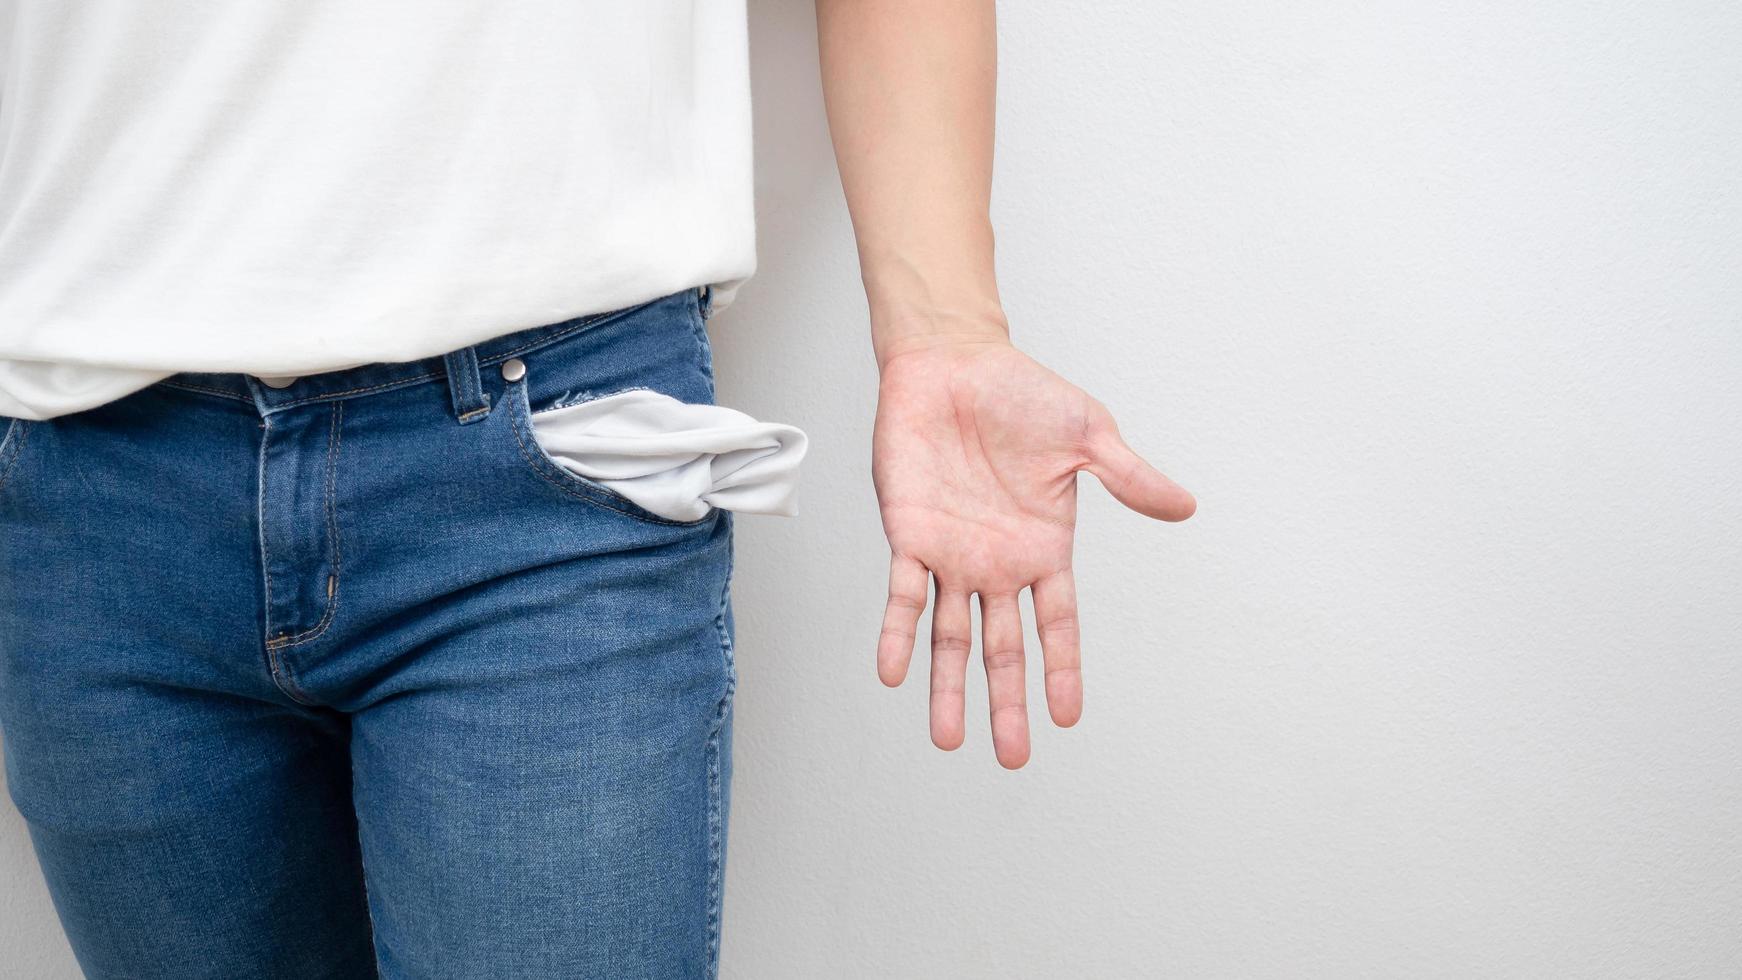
<point>471,402</point>
<point>705,301</point>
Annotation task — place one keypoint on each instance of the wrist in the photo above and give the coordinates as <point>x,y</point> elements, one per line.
<point>891,339</point>
<point>903,328</point>
<point>919,301</point>
<point>932,331</point>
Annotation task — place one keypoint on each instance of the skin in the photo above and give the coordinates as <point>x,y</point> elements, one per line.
<point>976,446</point>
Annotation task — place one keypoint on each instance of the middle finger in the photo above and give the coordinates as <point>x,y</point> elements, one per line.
<point>1006,689</point>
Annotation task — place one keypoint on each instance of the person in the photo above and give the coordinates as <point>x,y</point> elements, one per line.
<point>313,660</point>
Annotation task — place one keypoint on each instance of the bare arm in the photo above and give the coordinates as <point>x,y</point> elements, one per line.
<point>910,86</point>
<point>976,446</point>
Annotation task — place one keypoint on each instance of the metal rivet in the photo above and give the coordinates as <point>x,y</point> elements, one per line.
<point>513,369</point>
<point>282,381</point>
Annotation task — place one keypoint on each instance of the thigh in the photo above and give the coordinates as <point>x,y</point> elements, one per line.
<point>190,822</point>
<point>185,836</point>
<point>549,798</point>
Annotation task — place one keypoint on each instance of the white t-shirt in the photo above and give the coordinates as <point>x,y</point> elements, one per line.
<point>284,187</point>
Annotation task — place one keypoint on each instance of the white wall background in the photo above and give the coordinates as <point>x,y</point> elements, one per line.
<point>1438,308</point>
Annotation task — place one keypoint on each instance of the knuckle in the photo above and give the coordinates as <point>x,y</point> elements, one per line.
<point>1062,629</point>
<point>898,601</point>
<point>954,645</point>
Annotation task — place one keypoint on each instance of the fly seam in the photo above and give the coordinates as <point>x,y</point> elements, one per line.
<point>280,676</point>
<point>332,584</point>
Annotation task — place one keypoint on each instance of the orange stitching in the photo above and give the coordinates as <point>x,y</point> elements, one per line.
<point>716,765</point>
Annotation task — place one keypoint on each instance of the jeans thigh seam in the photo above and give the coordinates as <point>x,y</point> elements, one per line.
<point>716,763</point>
<point>368,897</point>
<point>716,867</point>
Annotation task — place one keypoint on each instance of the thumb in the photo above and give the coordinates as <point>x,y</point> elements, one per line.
<point>1131,481</point>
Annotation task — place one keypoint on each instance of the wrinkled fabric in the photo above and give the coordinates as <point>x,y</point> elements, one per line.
<point>676,459</point>
<point>303,186</point>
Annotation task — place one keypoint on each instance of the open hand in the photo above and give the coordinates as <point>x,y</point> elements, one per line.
<point>975,458</point>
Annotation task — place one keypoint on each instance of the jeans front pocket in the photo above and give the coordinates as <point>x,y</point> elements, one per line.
<point>567,481</point>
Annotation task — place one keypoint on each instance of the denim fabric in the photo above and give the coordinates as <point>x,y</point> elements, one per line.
<point>348,679</point>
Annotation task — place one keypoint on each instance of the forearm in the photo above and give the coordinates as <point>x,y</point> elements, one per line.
<point>910,89</point>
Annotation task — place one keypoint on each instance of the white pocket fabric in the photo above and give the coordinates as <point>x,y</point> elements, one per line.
<point>673,458</point>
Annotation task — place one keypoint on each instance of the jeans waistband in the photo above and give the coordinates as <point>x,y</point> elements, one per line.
<point>458,367</point>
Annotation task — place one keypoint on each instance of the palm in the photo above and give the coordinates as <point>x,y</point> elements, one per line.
<point>975,457</point>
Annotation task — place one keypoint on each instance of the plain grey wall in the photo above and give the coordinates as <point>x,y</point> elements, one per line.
<point>1438,308</point>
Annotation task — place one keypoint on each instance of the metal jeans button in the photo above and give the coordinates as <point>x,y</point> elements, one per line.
<point>513,369</point>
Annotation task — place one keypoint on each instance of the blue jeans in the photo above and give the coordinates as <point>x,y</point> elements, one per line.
<point>347,679</point>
